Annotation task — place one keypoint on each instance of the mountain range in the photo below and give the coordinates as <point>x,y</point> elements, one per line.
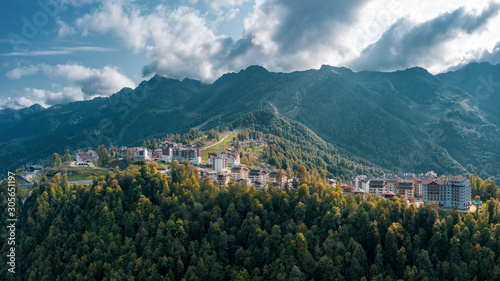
<point>402,121</point>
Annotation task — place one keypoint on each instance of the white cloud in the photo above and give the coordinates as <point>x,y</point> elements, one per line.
<point>293,35</point>
<point>178,40</point>
<point>57,51</point>
<point>91,81</point>
<point>224,16</point>
<point>282,35</point>
<point>35,53</point>
<point>436,44</point>
<point>128,24</point>
<point>44,98</point>
<point>19,72</point>
<point>287,35</point>
<point>219,4</point>
<point>76,3</point>
<point>64,29</point>
<point>492,56</point>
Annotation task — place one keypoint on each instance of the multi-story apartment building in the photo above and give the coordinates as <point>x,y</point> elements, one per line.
<point>179,153</point>
<point>220,164</point>
<point>167,154</point>
<point>122,152</point>
<point>233,159</point>
<point>239,172</point>
<point>192,155</point>
<point>448,193</point>
<point>377,185</point>
<point>208,173</point>
<point>361,184</point>
<point>406,188</point>
<point>391,183</point>
<point>223,177</point>
<point>258,175</point>
<point>460,192</point>
<point>418,182</point>
<point>142,153</point>
<point>278,177</point>
<point>86,157</point>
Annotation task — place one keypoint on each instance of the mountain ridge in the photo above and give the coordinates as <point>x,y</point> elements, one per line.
<point>406,120</point>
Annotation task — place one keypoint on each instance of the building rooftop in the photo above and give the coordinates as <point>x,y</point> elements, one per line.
<point>388,193</point>
<point>276,172</point>
<point>457,179</point>
<point>238,168</point>
<point>439,181</point>
<point>257,171</point>
<point>377,182</point>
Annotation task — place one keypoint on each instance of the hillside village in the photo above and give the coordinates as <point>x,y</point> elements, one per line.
<point>225,167</point>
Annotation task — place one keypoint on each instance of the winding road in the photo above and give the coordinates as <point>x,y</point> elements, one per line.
<point>230,133</point>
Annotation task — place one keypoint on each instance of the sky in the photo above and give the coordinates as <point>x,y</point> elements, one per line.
<point>59,51</point>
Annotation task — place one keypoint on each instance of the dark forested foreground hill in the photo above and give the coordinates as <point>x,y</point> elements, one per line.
<point>403,121</point>
<point>137,225</point>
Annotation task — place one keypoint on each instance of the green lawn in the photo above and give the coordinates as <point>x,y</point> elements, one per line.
<point>227,143</point>
<point>65,165</point>
<point>87,174</point>
<point>162,166</point>
<point>81,173</point>
<point>254,155</point>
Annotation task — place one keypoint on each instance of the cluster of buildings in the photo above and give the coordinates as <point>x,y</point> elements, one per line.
<point>450,192</point>
<point>85,158</point>
<point>227,167</point>
<point>138,153</point>
<point>261,177</point>
<point>447,192</point>
<point>180,153</point>
<point>166,152</point>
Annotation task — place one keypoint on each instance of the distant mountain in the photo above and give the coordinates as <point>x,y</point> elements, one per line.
<point>401,121</point>
<point>482,82</point>
<point>11,117</point>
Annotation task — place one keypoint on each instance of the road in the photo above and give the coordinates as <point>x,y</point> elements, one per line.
<point>31,191</point>
<point>88,164</point>
<point>218,141</point>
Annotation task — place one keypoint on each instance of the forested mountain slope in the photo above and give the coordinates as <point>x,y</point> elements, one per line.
<point>10,117</point>
<point>291,144</point>
<point>404,121</point>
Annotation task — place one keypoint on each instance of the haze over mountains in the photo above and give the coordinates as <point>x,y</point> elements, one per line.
<point>403,121</point>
